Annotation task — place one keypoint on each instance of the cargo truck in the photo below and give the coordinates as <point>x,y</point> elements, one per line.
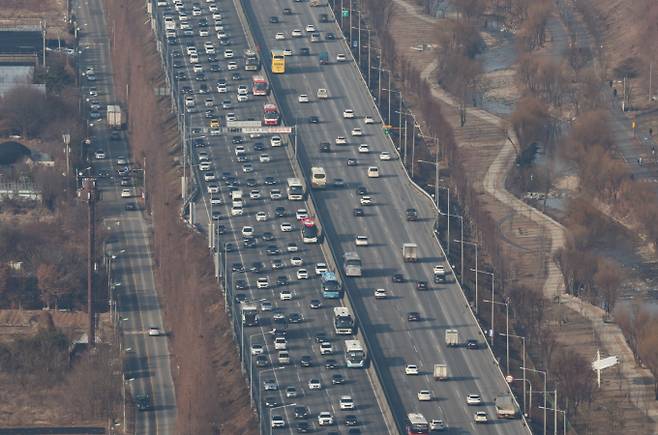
<point>452,337</point>
<point>506,407</point>
<point>440,372</point>
<point>410,252</point>
<point>114,116</point>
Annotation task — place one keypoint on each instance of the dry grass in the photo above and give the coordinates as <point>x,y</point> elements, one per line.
<point>30,12</point>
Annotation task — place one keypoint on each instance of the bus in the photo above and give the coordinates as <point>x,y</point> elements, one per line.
<point>352,264</point>
<point>251,62</point>
<point>417,424</point>
<point>295,189</point>
<point>318,177</point>
<point>355,354</point>
<point>278,62</point>
<point>343,321</point>
<point>310,232</point>
<point>271,116</point>
<point>259,86</point>
<point>331,288</point>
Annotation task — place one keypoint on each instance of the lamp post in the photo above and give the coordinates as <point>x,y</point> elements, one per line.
<point>506,303</point>
<point>525,410</point>
<point>493,299</point>
<point>545,375</point>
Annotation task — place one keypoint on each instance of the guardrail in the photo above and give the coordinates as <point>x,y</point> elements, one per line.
<point>327,249</point>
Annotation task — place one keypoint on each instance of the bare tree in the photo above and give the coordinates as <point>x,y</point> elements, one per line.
<point>575,379</point>
<point>25,108</point>
<point>608,278</point>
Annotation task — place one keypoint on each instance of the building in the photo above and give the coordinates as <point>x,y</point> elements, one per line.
<point>21,50</point>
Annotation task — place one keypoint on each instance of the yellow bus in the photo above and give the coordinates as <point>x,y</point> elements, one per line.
<point>278,62</point>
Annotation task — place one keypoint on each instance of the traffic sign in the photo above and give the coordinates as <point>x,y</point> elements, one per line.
<point>267,130</point>
<point>346,12</point>
<point>509,379</point>
<point>242,124</point>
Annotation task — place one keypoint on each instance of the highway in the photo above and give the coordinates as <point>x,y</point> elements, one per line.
<point>397,341</point>
<point>147,368</point>
<point>256,189</point>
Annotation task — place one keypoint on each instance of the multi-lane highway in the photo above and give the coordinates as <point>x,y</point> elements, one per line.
<point>396,340</point>
<point>258,244</point>
<point>147,370</point>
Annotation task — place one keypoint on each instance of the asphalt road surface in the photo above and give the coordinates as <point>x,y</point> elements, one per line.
<point>147,365</point>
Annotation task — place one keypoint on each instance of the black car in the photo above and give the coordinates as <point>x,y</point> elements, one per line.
<point>282,280</point>
<point>251,182</point>
<point>221,229</point>
<point>241,284</point>
<point>304,51</point>
<point>131,206</point>
<point>236,76</point>
<point>314,120</point>
<point>212,58</point>
<point>330,36</point>
<point>240,298</point>
<point>325,147</point>
<point>143,402</point>
<point>237,267</point>
<point>412,214</point>
<point>180,75</point>
<point>257,267</point>
<point>361,190</point>
<point>357,212</point>
<point>236,140</point>
<point>351,420</point>
<point>270,181</point>
<point>267,236</point>
<point>398,277</point>
<point>225,176</point>
<point>352,162</point>
<point>303,427</point>
<point>295,318</point>
<point>271,402</point>
<point>421,285</point>
<point>272,250</point>
<point>305,361</point>
<point>315,304</point>
<point>337,379</point>
<point>203,89</point>
<point>320,337</point>
<point>229,247</point>
<point>472,343</point>
<point>354,431</point>
<point>249,242</point>
<point>280,212</point>
<point>200,77</point>
<point>216,215</point>
<point>215,67</point>
<point>274,19</point>
<point>301,412</point>
<point>324,18</point>
<point>259,146</point>
<point>331,364</point>
<point>413,316</point>
<point>339,182</point>
<point>262,361</point>
<point>287,11</point>
<point>178,64</point>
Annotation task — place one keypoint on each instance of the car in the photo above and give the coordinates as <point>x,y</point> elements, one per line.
<point>275,141</point>
<point>264,158</point>
<point>473,399</point>
<point>325,419</point>
<point>373,172</point>
<point>126,193</point>
<point>313,120</point>
<point>271,402</point>
<point>339,182</point>
<point>480,417</point>
<point>320,268</point>
<point>247,231</point>
<point>254,194</point>
<point>286,227</point>
<point>296,261</point>
<point>216,215</point>
<point>413,316</point>
<point>361,190</point>
<point>310,28</point>
<point>99,155</point>
<point>280,212</point>
<point>261,216</point>
<point>315,304</point>
<point>352,162</point>
<point>267,236</point>
<point>411,369</point>
<point>291,392</point>
<point>285,295</point>
<point>326,348</point>
<point>154,331</point>
<point>287,11</point>
<point>314,384</point>
<point>351,420</point>
<point>143,402</point>
<point>365,200</point>
<point>305,361</point>
<point>277,422</point>
<point>279,36</point>
<point>301,214</point>
<point>262,361</point>
<point>274,19</point>
<point>337,379</point>
<point>266,306</point>
<point>296,33</point>
<point>361,240</point>
<point>240,298</point>
<point>257,267</point>
<point>358,212</point>
<point>436,424</point>
<point>330,36</point>
<point>262,282</point>
<point>380,293</point>
<point>340,140</point>
<point>292,247</point>
<point>346,402</point>
<point>301,412</point>
<point>282,280</point>
<point>303,427</point>
<point>364,148</point>
<point>421,285</point>
<point>356,131</point>
<point>325,147</point>
<point>275,194</point>
<point>270,385</point>
<point>209,176</point>
<point>304,51</point>
<point>424,395</point>
<point>231,66</point>
<point>287,51</point>
<point>302,274</point>
<point>368,120</point>
<point>131,206</point>
<point>397,278</point>
<point>259,146</point>
<point>272,250</point>
<point>269,181</point>
<point>412,214</point>
<point>348,113</point>
<point>303,98</point>
<point>228,54</point>
<point>331,364</point>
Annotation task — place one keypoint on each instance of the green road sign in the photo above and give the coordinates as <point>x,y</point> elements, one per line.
<point>346,12</point>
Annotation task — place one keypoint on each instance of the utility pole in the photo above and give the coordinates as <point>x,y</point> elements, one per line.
<point>359,37</point>
<point>388,120</point>
<point>413,147</point>
<point>379,78</point>
<point>650,77</point>
<point>89,195</point>
<point>369,59</point>
<point>405,139</point>
<point>350,12</point>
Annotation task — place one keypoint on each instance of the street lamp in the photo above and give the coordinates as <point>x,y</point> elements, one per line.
<point>493,298</point>
<point>523,362</point>
<point>545,374</point>
<point>476,267</point>
<point>399,111</point>
<point>506,303</point>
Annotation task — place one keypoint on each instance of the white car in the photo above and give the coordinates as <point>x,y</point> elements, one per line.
<point>356,131</point>
<point>228,54</point>
<point>243,98</point>
<point>287,51</point>
<point>247,231</point>
<point>303,98</point>
<point>480,417</point>
<point>439,269</point>
<point>292,247</point>
<point>261,216</point>
<point>285,295</point>
<point>314,384</point>
<point>424,395</point>
<point>262,282</point>
<point>385,155</point>
<point>154,331</point>
<point>243,90</point>
<point>264,158</point>
<point>473,399</point>
<point>320,268</point>
<point>257,349</point>
<point>232,66</point>
<point>326,348</point>
<point>380,293</point>
<point>197,68</point>
<point>346,402</point>
<point>275,141</point>
<point>286,227</point>
<point>364,148</point>
<point>209,176</point>
<point>302,274</point>
<point>340,57</point>
<point>301,213</point>
<point>296,261</point>
<point>215,200</point>
<point>213,188</point>
<point>122,161</point>
<point>254,194</point>
<point>325,419</point>
<point>279,36</point>
<point>341,140</point>
<point>204,166</point>
<point>361,240</point>
<point>296,33</point>
<point>373,172</point>
<point>278,422</point>
<point>348,113</point>
<point>411,369</point>
<point>437,424</point>
<point>275,194</point>
<point>368,120</point>
<point>99,155</point>
<point>365,200</point>
<point>126,193</point>
<point>310,28</point>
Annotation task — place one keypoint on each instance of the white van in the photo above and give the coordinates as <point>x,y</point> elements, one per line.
<point>322,93</point>
<point>280,343</point>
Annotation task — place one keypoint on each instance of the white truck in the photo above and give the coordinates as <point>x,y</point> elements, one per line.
<point>352,264</point>
<point>114,116</point>
<point>452,337</point>
<point>410,252</point>
<point>440,372</point>
<point>506,407</point>
<point>249,315</point>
